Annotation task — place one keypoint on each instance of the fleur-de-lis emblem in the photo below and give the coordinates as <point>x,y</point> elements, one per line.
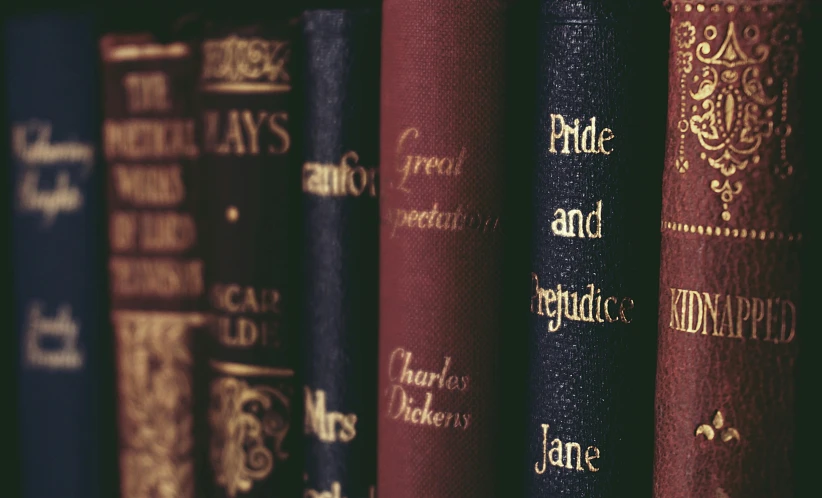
<point>717,425</point>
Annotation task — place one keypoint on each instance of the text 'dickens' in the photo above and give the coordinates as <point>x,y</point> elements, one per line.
<point>412,395</point>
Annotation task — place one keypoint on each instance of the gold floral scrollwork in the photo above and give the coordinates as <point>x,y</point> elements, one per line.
<point>684,38</point>
<point>248,425</point>
<point>155,387</point>
<point>735,107</point>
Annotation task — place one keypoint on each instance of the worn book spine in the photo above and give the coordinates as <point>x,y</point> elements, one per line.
<point>594,261</point>
<point>51,72</point>
<point>732,237</point>
<point>155,268</point>
<point>341,81</point>
<point>442,155</point>
<point>251,185</point>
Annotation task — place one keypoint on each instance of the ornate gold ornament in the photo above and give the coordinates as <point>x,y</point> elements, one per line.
<point>726,434</point>
<point>248,425</point>
<point>735,102</point>
<point>246,60</point>
<point>155,387</point>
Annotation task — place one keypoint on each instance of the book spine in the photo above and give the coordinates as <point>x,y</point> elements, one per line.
<point>732,234</point>
<point>245,93</point>
<point>341,75</point>
<point>155,269</point>
<point>51,101</point>
<point>594,261</point>
<point>442,152</point>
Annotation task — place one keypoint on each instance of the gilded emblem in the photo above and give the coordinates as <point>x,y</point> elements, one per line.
<point>246,60</point>
<point>736,101</point>
<point>717,426</point>
<point>248,425</point>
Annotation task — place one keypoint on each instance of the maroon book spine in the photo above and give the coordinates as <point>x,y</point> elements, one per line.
<point>731,241</point>
<point>155,267</point>
<point>442,163</point>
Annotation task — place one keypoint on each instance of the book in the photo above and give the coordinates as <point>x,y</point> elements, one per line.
<point>733,221</point>
<point>155,267</point>
<point>341,83</point>
<point>601,114</point>
<point>251,183</point>
<point>442,142</point>
<point>51,94</point>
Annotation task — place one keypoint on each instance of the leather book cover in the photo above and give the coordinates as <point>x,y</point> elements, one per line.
<point>251,181</point>
<point>600,125</point>
<point>732,236</point>
<point>442,137</point>
<point>155,267</point>
<point>51,102</point>
<point>341,84</point>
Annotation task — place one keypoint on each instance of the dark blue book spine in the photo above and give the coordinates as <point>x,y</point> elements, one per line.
<point>51,71</point>
<point>339,175</point>
<point>596,186</point>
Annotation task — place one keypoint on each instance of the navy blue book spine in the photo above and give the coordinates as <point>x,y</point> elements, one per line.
<point>600,106</point>
<point>51,101</point>
<point>340,234</point>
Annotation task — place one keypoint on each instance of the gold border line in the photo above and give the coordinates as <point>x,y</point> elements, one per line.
<point>242,370</point>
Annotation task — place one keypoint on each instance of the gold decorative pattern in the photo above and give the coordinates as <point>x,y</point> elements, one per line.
<point>726,434</point>
<point>740,233</point>
<point>248,424</point>
<point>737,99</point>
<point>155,387</point>
<point>255,65</point>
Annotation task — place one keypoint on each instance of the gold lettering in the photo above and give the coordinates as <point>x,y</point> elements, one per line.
<point>711,309</point>
<point>732,316</point>
<point>591,142</point>
<point>591,456</point>
<point>156,277</point>
<point>588,308</point>
<point>140,139</point>
<point>146,92</point>
<point>149,185</point>
<point>410,164</point>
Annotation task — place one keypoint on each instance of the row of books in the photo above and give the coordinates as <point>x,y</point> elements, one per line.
<point>417,249</point>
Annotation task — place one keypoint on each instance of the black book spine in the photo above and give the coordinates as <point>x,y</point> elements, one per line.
<point>594,234</point>
<point>341,244</point>
<point>250,187</point>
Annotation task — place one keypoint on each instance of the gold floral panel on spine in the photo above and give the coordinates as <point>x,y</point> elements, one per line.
<point>155,384</point>
<point>249,418</point>
<point>731,148</point>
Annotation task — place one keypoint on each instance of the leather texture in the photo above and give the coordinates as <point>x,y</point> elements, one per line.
<point>341,79</point>
<point>51,100</point>
<point>732,234</point>
<point>442,165</point>
<point>594,261</point>
<point>154,260</point>
<point>246,98</point>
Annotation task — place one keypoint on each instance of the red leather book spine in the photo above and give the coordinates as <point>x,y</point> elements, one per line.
<point>442,166</point>
<point>731,241</point>
<point>155,264</point>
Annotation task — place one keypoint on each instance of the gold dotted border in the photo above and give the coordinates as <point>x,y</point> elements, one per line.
<point>702,7</point>
<point>736,233</point>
